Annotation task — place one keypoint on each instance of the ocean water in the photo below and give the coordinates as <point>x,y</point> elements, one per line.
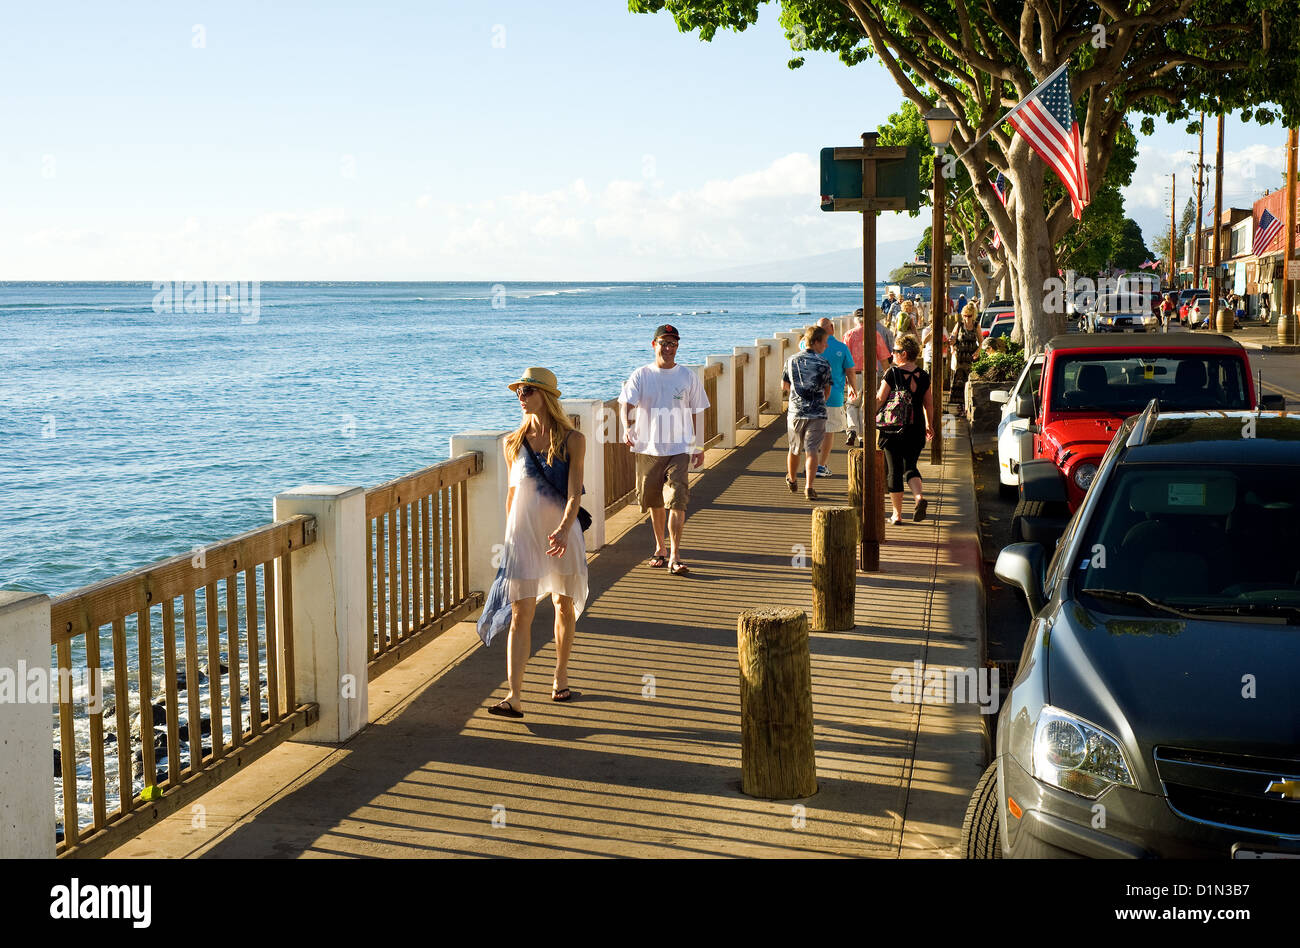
<point>129,435</point>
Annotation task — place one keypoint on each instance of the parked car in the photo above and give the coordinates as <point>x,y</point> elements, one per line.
<point>991,312</point>
<point>1090,384</point>
<point>1154,710</point>
<point>1200,313</point>
<point>1187,300</point>
<point>1015,443</point>
<point>1002,325</point>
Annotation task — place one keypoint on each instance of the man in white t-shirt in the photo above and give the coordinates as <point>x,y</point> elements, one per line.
<point>667,398</point>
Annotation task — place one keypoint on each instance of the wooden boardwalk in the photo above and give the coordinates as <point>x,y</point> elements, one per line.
<point>645,761</point>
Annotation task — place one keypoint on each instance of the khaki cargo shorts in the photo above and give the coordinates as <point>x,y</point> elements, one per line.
<point>661,481</point>
<point>806,434</point>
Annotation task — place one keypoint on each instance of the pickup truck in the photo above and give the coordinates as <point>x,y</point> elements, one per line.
<point>1090,384</point>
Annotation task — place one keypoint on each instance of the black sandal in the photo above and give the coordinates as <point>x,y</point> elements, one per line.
<point>505,710</point>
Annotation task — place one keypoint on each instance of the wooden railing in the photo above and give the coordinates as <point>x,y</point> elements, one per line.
<point>417,552</point>
<point>710,435</point>
<point>620,464</point>
<point>763,353</point>
<point>226,571</point>
<point>738,365</point>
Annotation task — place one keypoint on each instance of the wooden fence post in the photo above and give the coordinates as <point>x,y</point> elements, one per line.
<point>777,760</point>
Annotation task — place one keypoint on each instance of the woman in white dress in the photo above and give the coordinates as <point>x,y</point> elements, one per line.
<point>544,550</point>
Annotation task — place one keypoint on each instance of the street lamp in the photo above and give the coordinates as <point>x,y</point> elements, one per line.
<point>940,122</point>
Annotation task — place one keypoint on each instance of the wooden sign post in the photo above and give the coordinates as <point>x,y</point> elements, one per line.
<point>888,180</point>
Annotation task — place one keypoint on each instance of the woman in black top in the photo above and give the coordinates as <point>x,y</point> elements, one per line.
<point>903,449</point>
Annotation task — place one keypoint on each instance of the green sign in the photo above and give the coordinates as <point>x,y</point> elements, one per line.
<point>897,179</point>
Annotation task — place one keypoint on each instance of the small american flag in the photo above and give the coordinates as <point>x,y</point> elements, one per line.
<point>1265,231</point>
<point>1000,188</point>
<point>1046,118</point>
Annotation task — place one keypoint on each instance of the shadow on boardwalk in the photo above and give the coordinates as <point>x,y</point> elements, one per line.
<point>645,761</point>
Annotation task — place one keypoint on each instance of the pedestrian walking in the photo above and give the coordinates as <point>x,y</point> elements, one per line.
<point>544,554</point>
<point>855,339</point>
<point>663,436</point>
<point>966,342</point>
<point>844,381</point>
<point>905,424</point>
<point>807,378</point>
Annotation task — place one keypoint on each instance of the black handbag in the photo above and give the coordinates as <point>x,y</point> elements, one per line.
<point>584,517</point>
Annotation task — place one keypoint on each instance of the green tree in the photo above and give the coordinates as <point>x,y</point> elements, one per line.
<point>1159,58</point>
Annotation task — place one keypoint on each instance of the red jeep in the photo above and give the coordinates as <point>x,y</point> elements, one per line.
<point>1090,384</point>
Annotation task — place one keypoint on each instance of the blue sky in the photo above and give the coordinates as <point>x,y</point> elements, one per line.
<point>486,141</point>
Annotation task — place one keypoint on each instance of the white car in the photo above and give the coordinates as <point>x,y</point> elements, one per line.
<point>1015,443</point>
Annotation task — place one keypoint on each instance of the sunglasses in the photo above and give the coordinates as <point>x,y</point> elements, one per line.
<point>524,391</point>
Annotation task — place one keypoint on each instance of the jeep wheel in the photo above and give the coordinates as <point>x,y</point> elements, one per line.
<point>1025,508</point>
<point>980,837</point>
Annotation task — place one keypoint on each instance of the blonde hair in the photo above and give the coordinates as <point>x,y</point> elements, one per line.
<point>813,335</point>
<point>969,310</point>
<point>560,428</point>
<point>909,306</point>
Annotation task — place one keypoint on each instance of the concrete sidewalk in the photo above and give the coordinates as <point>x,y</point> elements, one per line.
<point>645,761</point>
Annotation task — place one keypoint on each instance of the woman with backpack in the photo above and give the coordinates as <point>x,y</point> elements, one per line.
<point>905,422</point>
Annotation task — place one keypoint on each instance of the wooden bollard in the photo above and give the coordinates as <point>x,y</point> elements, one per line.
<point>834,567</point>
<point>777,761</point>
<point>855,478</point>
<point>855,484</point>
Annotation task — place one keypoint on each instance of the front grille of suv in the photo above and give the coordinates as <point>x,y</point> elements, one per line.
<point>1226,790</point>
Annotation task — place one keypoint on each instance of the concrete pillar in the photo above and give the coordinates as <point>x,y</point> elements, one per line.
<point>485,502</point>
<point>792,339</point>
<point>774,365</point>
<point>329,609</point>
<point>27,818</point>
<point>750,372</point>
<point>597,425</point>
<point>726,399</point>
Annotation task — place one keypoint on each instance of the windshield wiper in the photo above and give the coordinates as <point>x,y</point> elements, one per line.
<point>1134,598</point>
<point>1258,611</point>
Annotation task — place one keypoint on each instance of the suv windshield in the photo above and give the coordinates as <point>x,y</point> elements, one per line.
<point>1125,384</point>
<point>1218,540</point>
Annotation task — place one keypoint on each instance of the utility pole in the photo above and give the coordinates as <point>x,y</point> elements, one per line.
<point>1196,231</point>
<point>1288,241</point>
<point>1216,280</point>
<point>1173,203</point>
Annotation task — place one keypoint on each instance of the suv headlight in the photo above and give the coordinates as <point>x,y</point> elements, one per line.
<point>1083,475</point>
<point>1077,756</point>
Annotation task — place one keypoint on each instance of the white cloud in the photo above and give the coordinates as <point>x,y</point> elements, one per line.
<point>620,228</point>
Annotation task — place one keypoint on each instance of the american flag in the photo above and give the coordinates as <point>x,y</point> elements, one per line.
<point>1000,188</point>
<point>1265,231</point>
<point>1046,118</point>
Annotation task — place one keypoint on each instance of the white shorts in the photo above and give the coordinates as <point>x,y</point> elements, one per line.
<point>836,419</point>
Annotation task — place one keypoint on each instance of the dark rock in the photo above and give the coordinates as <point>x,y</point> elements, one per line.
<point>58,762</point>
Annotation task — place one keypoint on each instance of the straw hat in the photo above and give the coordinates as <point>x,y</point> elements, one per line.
<point>538,378</point>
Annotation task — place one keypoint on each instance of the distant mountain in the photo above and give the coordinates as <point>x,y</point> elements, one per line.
<point>838,266</point>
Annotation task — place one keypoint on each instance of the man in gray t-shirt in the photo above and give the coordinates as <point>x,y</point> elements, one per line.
<point>807,377</point>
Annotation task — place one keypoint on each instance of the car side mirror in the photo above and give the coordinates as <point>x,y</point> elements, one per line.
<point>1272,402</point>
<point>1000,396</point>
<point>1025,406</point>
<point>1021,565</point>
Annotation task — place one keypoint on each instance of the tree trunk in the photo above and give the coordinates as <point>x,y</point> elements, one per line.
<point>983,284</point>
<point>777,760</point>
<point>1034,261</point>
